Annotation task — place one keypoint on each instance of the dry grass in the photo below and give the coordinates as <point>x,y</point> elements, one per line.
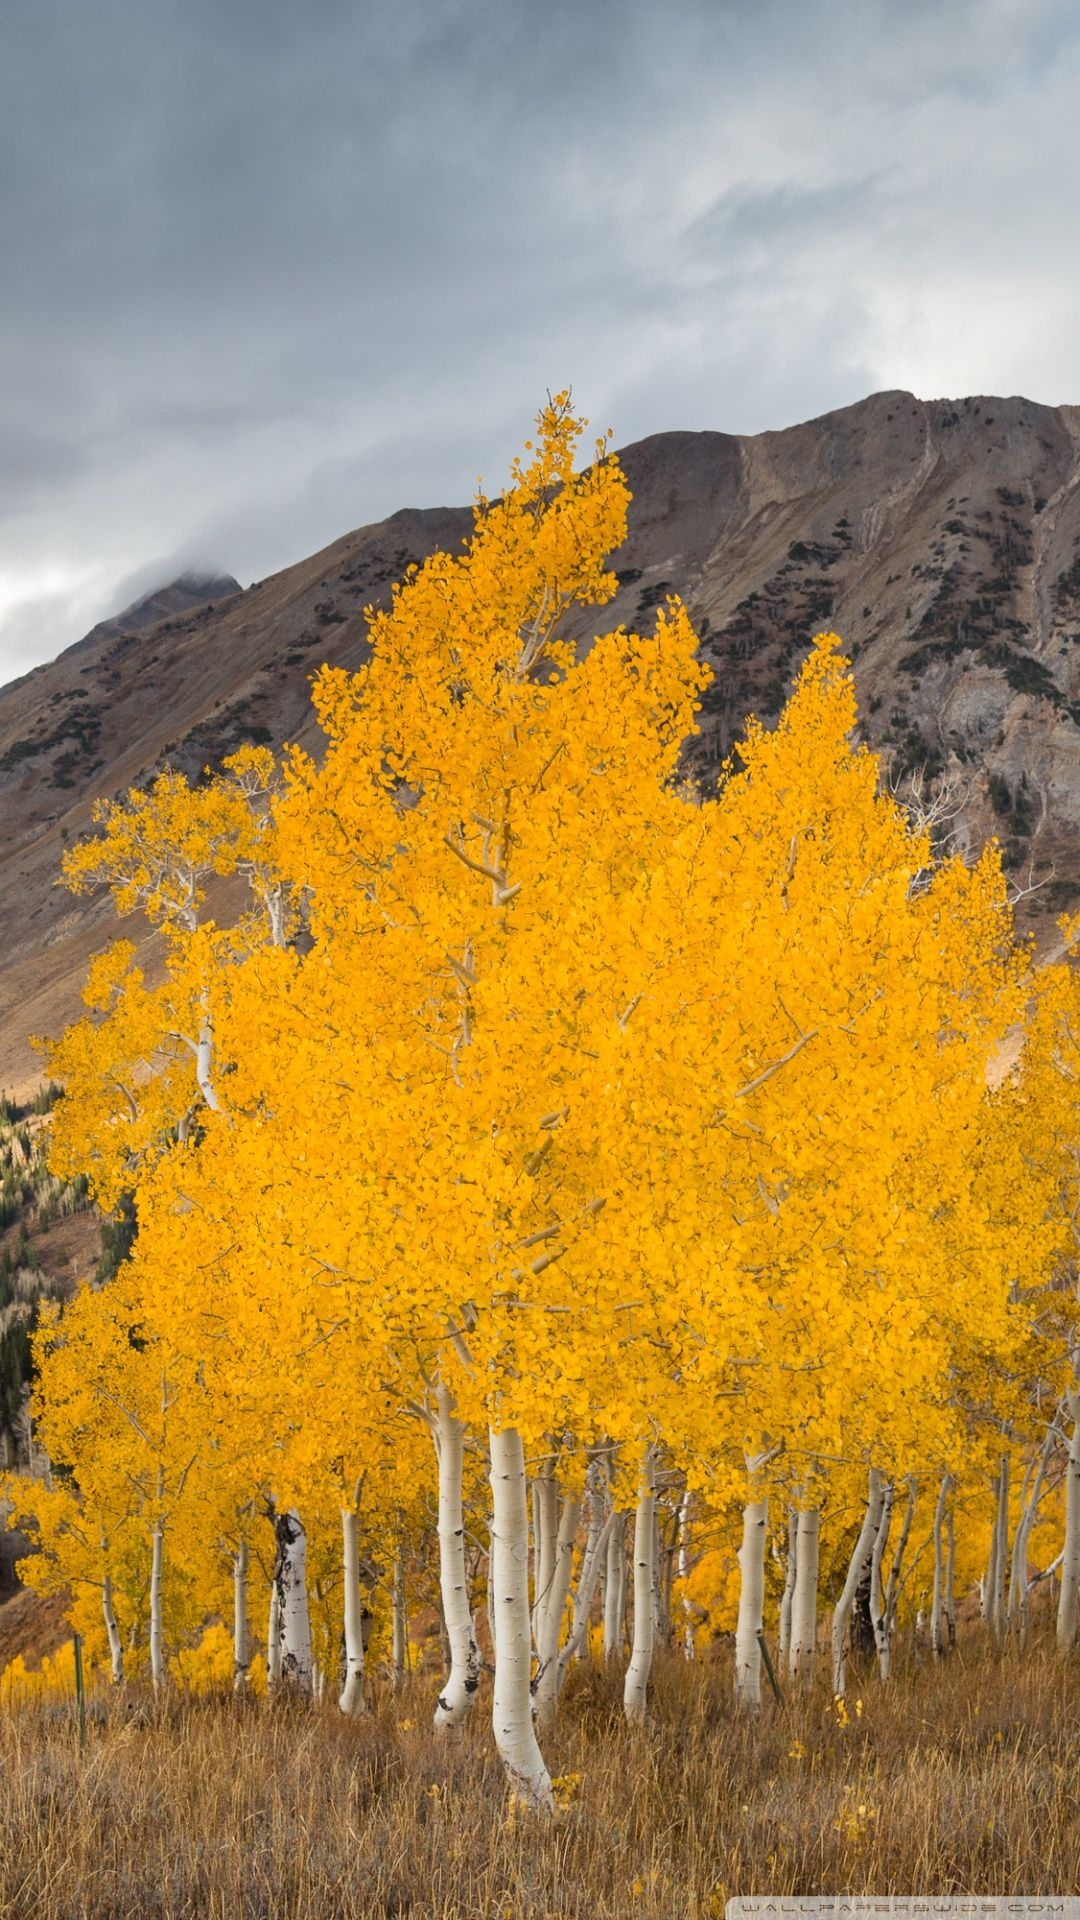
<point>956,1781</point>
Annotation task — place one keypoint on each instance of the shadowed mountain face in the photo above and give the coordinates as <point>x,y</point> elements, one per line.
<point>940,539</point>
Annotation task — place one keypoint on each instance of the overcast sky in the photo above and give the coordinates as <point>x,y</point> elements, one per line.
<point>270,269</point>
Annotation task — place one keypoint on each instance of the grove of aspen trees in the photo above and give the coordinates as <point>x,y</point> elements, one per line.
<point>578,1205</point>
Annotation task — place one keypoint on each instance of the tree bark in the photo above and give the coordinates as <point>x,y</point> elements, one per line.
<point>273,1637</point>
<point>463,1678</point>
<point>950,1576</point>
<point>400,1642</point>
<point>684,1575</point>
<point>116,1646</point>
<point>860,1560</point>
<point>636,1686</point>
<point>615,1588</point>
<point>804,1600</point>
<point>789,1584</point>
<point>893,1589</point>
<point>241,1634</point>
<point>294,1624</point>
<point>1001,1550</point>
<point>877,1598</point>
<point>552,1610</point>
<point>1070,1559</point>
<point>512,1704</point>
<point>545,1515</point>
<point>588,1578</point>
<point>937,1603</point>
<point>157,1649</point>
<point>351,1698</point>
<point>751,1604</point>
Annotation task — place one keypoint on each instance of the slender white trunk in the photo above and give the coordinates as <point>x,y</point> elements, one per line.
<point>877,1598</point>
<point>892,1590</point>
<point>157,1640</point>
<point>491,1589</point>
<point>789,1583</point>
<point>1070,1558</point>
<point>684,1575</point>
<point>351,1698</point>
<point>588,1579</point>
<point>615,1588</point>
<point>400,1642</point>
<point>545,1514</point>
<point>204,1055</point>
<point>997,1591</point>
<point>463,1678</point>
<point>987,1580</point>
<point>937,1603</point>
<point>950,1576</point>
<point>116,1647</point>
<point>512,1718</point>
<point>804,1599</point>
<point>860,1560</point>
<point>665,1573</point>
<point>318,1683</point>
<point>273,1638</point>
<point>636,1685</point>
<point>294,1623</point>
<point>241,1635</point>
<point>1016,1606</point>
<point>751,1604</point>
<point>552,1612</point>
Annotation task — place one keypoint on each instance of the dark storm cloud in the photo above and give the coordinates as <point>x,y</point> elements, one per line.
<point>271,270</point>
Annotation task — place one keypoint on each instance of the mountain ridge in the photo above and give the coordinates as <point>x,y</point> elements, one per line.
<point>941,539</point>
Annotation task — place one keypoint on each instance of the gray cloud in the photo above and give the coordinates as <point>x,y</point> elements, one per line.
<point>272,271</point>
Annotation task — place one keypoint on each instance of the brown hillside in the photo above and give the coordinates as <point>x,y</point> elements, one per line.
<point>941,539</point>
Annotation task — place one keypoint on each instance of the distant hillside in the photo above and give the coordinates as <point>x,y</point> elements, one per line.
<point>941,539</point>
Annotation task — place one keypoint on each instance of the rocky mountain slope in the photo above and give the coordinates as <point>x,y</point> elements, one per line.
<point>941,539</point>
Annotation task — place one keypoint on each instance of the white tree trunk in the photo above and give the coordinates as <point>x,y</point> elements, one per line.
<point>204,1055</point>
<point>351,1698</point>
<point>1001,1552</point>
<point>950,1577</point>
<point>463,1678</point>
<point>1019,1584</point>
<point>804,1599</point>
<point>588,1578</point>
<point>636,1685</point>
<point>116,1647</point>
<point>1069,1589</point>
<point>665,1574</point>
<point>157,1646</point>
<point>491,1588</point>
<point>937,1603</point>
<point>877,1597</point>
<point>751,1604</point>
<point>512,1705</point>
<point>273,1638</point>
<point>892,1590</point>
<point>615,1588</point>
<point>545,1517</point>
<point>789,1584</point>
<point>552,1610</point>
<point>294,1623</point>
<point>860,1560</point>
<point>241,1635</point>
<point>400,1640</point>
<point>684,1575</point>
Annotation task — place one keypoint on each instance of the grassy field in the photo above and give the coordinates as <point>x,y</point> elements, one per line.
<point>959,1780</point>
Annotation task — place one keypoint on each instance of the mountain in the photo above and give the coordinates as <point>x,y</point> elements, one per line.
<point>941,539</point>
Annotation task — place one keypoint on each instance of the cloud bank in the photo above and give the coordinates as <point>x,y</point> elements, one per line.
<point>271,272</point>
